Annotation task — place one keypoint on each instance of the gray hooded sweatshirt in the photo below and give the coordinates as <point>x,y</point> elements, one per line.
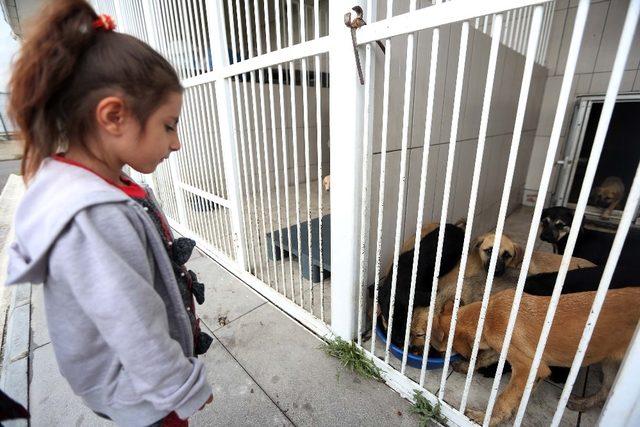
<point>119,329</point>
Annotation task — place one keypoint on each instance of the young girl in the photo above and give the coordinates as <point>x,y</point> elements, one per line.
<point>119,302</point>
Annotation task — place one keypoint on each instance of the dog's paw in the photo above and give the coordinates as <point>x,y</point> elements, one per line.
<point>475,415</point>
<point>461,366</point>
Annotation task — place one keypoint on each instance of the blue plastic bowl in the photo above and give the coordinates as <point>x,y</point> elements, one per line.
<point>412,359</point>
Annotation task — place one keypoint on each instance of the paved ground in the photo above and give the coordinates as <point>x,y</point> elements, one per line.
<point>8,167</point>
<point>265,369</point>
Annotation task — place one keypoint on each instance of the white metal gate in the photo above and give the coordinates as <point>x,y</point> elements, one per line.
<point>267,85</point>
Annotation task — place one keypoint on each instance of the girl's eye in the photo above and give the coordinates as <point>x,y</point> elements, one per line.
<point>169,128</point>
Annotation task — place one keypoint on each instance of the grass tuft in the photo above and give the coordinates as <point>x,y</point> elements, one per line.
<point>352,357</point>
<point>426,411</point>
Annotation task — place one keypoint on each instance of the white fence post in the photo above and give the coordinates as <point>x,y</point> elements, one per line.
<point>346,114</point>
<point>623,406</point>
<point>220,58</point>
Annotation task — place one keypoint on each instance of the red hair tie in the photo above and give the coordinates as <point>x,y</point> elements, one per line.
<point>105,22</point>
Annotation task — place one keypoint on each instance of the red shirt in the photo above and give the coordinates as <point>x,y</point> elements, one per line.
<point>130,188</point>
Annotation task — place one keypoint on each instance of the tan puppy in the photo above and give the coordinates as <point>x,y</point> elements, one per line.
<point>326,182</point>
<point>511,255</point>
<point>608,195</point>
<point>611,336</point>
<point>510,259</point>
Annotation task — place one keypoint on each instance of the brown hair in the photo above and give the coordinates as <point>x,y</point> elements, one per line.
<point>65,67</point>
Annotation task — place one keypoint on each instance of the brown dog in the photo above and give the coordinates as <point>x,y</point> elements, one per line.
<point>608,195</point>
<point>506,277</point>
<point>611,336</point>
<point>511,255</point>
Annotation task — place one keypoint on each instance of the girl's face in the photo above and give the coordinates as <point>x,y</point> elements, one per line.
<point>158,139</point>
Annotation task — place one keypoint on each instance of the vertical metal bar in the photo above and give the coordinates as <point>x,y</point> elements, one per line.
<point>275,161</point>
<point>516,31</point>
<point>183,40</point>
<point>214,153</point>
<point>307,161</point>
<point>526,30</point>
<point>624,46</point>
<point>247,149</point>
<point>285,161</point>
<point>294,133</point>
<point>207,139</point>
<point>265,139</point>
<point>506,29</point>
<point>221,170</point>
<point>195,20</point>
<point>175,33</point>
<point>345,125</point>
<point>262,250</point>
<point>367,138</point>
<point>464,38</point>
<point>563,98</point>
<point>623,404</point>
<point>195,163</point>
<point>547,35</point>
<point>383,169</point>
<point>428,123</point>
<point>253,266</point>
<point>485,22</point>
<point>401,187</point>
<point>205,38</point>
<point>381,183</point>
<point>224,97</point>
<point>482,135</point>
<point>512,27</point>
<point>318,80</point>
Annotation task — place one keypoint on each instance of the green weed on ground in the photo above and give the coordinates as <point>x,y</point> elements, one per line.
<point>426,411</point>
<point>352,358</point>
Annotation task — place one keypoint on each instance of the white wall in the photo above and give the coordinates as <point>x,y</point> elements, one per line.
<point>593,70</point>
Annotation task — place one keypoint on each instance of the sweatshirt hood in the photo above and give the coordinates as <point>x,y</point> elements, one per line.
<point>55,195</point>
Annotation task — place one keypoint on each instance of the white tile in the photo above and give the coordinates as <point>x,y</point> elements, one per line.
<point>584,84</point>
<point>611,37</point>
<point>475,81</point>
<point>556,38</point>
<point>549,104</point>
<point>592,36</point>
<point>536,163</point>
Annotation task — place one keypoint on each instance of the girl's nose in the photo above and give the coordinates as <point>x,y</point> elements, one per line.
<point>175,145</point>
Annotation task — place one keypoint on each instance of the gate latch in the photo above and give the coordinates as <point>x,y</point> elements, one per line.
<point>354,24</point>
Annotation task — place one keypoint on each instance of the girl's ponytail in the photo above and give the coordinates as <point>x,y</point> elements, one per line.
<point>47,59</point>
<point>62,71</point>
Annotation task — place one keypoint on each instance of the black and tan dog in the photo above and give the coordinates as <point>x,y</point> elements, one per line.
<point>591,245</point>
<point>611,336</point>
<point>608,195</point>
<point>451,252</point>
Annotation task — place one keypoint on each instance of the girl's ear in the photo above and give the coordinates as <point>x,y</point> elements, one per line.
<point>111,115</point>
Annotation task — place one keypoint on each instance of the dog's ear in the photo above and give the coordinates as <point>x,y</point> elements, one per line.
<point>518,255</point>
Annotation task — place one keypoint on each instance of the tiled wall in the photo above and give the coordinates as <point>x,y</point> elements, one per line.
<point>593,70</point>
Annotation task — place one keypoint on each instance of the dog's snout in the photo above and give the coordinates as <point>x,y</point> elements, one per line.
<point>500,267</point>
<point>549,235</point>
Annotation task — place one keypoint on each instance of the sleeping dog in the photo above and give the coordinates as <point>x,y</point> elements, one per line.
<point>608,195</point>
<point>591,245</point>
<point>451,251</point>
<point>475,277</point>
<point>611,336</point>
<point>506,277</point>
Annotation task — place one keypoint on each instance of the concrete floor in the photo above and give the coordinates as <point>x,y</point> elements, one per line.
<point>8,167</point>
<point>265,369</point>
